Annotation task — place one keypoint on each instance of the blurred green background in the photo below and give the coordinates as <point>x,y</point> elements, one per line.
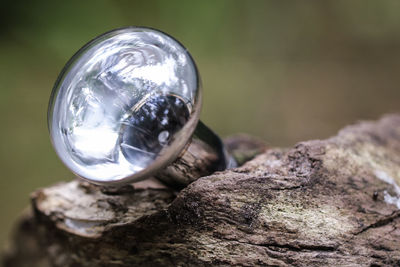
<point>282,70</point>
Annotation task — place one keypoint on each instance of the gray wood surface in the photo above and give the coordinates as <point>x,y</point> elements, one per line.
<point>331,202</point>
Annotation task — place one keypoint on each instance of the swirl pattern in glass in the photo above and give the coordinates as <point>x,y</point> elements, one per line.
<point>120,103</point>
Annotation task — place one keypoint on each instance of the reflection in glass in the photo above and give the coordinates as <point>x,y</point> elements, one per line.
<point>121,102</point>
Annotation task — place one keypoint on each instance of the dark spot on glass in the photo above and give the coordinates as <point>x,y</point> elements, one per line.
<point>151,127</point>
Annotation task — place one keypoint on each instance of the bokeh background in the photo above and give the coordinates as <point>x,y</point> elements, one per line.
<point>285,71</point>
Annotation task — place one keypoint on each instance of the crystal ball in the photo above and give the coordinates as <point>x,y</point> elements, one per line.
<point>125,105</point>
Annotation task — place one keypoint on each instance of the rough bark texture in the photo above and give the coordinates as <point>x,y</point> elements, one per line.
<point>330,202</point>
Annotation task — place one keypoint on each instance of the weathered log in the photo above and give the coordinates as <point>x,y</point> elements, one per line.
<point>329,202</point>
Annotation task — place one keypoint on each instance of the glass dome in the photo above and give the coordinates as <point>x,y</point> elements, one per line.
<point>124,106</point>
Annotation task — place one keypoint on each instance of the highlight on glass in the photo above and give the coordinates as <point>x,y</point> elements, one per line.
<point>125,106</point>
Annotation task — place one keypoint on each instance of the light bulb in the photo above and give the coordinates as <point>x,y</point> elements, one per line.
<point>126,106</point>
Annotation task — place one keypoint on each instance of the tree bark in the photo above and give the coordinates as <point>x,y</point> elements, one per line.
<point>330,202</point>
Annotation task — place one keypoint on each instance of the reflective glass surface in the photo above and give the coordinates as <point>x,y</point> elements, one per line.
<point>121,102</point>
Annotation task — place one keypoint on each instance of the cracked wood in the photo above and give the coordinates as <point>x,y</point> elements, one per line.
<point>324,202</point>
